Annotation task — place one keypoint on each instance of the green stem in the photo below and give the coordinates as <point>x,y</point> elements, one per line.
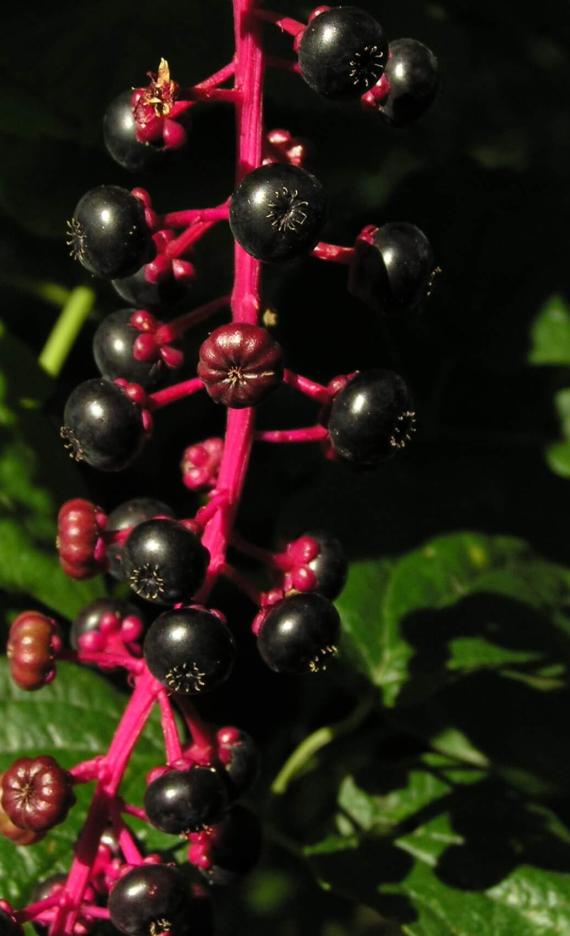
<point>315,742</point>
<point>66,329</point>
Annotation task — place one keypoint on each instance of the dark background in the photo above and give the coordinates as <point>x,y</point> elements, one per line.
<point>484,174</point>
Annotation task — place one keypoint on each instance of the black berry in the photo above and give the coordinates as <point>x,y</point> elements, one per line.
<point>89,619</point>
<point>113,351</point>
<point>393,270</point>
<point>299,634</point>
<point>186,800</point>
<point>190,651</point>
<point>234,846</point>
<point>240,364</point>
<point>239,755</point>
<point>150,899</point>
<point>277,212</point>
<point>119,134</point>
<point>102,426</point>
<point>330,565</point>
<point>108,233</point>
<point>343,52</point>
<point>371,418</point>
<point>8,925</point>
<point>412,73</point>
<point>128,515</point>
<point>137,291</point>
<point>164,562</point>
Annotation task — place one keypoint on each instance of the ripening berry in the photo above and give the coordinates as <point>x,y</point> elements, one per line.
<point>343,52</point>
<point>79,538</point>
<point>240,364</point>
<point>299,634</point>
<point>190,650</point>
<point>108,233</point>
<point>33,642</point>
<point>36,793</point>
<point>277,212</point>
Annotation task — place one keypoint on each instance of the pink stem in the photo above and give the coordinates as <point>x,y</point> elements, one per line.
<point>242,583</point>
<point>169,729</point>
<point>288,25</point>
<point>230,95</point>
<point>89,770</point>
<point>205,513</point>
<point>195,216</point>
<point>334,253</point>
<point>174,393</point>
<point>174,329</point>
<point>307,434</point>
<point>107,660</point>
<point>95,913</point>
<point>202,734</point>
<point>127,843</point>
<point>135,811</point>
<point>309,387</point>
<point>33,910</point>
<point>218,78</point>
<point>126,736</point>
<point>255,552</point>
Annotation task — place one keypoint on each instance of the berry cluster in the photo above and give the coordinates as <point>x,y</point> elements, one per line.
<point>180,647</point>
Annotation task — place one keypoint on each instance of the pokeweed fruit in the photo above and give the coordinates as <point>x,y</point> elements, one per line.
<point>108,233</point>
<point>240,364</point>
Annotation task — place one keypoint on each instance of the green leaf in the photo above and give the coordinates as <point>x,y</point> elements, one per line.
<point>36,476</point>
<point>550,335</point>
<point>558,458</point>
<point>461,603</point>
<point>445,851</point>
<point>73,719</point>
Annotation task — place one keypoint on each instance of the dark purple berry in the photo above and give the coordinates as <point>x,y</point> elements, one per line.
<point>299,634</point>
<point>126,516</point>
<point>108,233</point>
<point>102,426</point>
<point>234,847</point>
<point>89,619</point>
<point>113,351</point>
<point>343,52</point>
<point>8,925</point>
<point>119,134</point>
<point>240,364</point>
<point>412,73</point>
<point>182,801</point>
<point>393,270</point>
<point>138,292</point>
<point>330,565</point>
<point>36,793</point>
<point>239,756</point>
<point>150,899</point>
<point>190,651</point>
<point>371,418</point>
<point>277,212</point>
<point>164,562</point>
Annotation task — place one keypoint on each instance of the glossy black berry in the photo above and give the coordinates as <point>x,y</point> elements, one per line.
<point>371,418</point>
<point>150,899</point>
<point>235,846</point>
<point>138,292</point>
<point>277,212</point>
<point>330,566</point>
<point>9,926</point>
<point>113,351</point>
<point>186,800</point>
<point>299,635</point>
<point>412,72</point>
<point>89,619</point>
<point>164,562</point>
<point>190,651</point>
<point>119,134</point>
<point>239,756</point>
<point>343,52</point>
<point>108,232</point>
<point>124,517</point>
<point>102,426</point>
<point>394,270</point>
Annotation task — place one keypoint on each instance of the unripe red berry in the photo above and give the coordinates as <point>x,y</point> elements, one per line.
<point>36,793</point>
<point>79,543</point>
<point>240,364</point>
<point>13,832</point>
<point>33,642</point>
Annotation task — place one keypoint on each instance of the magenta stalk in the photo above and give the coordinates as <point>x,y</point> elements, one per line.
<point>308,434</point>
<point>174,393</point>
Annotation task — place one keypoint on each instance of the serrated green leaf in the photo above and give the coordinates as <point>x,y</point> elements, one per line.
<point>445,851</point>
<point>72,719</point>
<point>460,603</point>
<point>550,335</point>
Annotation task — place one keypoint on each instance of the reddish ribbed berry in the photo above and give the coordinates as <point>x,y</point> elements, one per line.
<point>79,542</point>
<point>33,642</point>
<point>36,793</point>
<point>13,832</point>
<point>240,364</point>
